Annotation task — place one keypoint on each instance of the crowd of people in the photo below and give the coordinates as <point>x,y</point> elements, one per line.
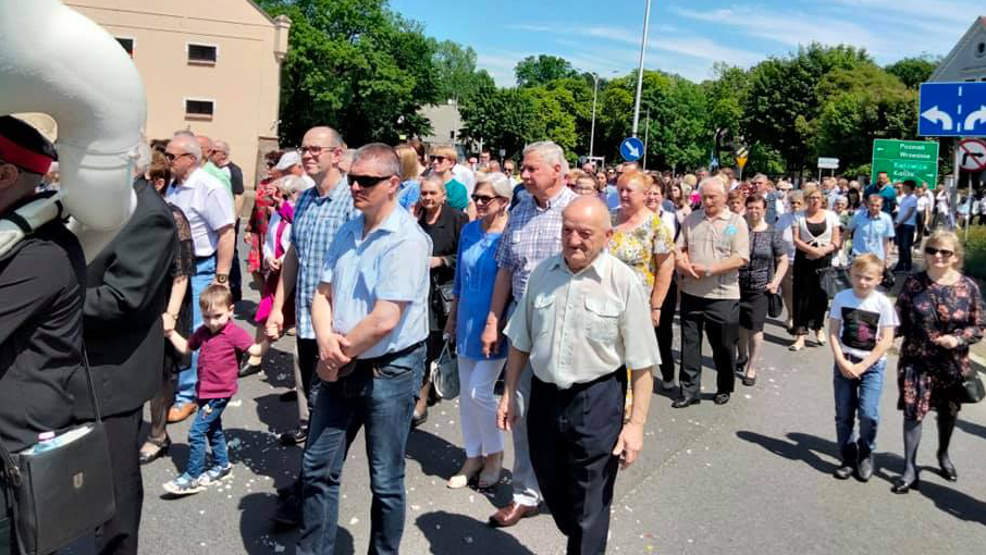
<point>562,283</point>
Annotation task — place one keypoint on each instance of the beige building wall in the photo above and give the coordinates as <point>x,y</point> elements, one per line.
<point>243,83</point>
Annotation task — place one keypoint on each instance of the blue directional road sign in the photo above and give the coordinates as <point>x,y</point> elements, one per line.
<point>952,110</point>
<point>632,149</point>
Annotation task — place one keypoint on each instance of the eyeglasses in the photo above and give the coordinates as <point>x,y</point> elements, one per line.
<point>437,158</point>
<point>271,164</point>
<point>314,150</point>
<point>172,157</point>
<point>814,198</point>
<point>483,199</point>
<point>367,181</point>
<point>932,251</point>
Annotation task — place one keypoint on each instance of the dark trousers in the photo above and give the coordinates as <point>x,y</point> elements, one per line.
<point>810,300</point>
<point>235,273</point>
<point>572,433</point>
<point>905,240</point>
<point>119,534</point>
<point>665,333</point>
<point>307,361</point>
<point>720,318</point>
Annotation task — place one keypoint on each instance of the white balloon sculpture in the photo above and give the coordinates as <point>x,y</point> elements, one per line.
<point>56,61</point>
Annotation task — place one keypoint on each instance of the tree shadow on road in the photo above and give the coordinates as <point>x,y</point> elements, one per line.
<point>455,533</point>
<point>972,428</point>
<point>797,447</point>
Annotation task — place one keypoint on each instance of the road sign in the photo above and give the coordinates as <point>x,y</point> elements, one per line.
<point>952,110</point>
<point>503,152</point>
<point>631,149</point>
<point>973,155</point>
<point>828,163</point>
<point>742,155</point>
<point>902,160</point>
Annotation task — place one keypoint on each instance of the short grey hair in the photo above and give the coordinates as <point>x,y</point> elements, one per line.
<point>189,145</point>
<point>221,145</point>
<point>291,184</point>
<point>550,152</point>
<point>383,155</point>
<point>712,181</point>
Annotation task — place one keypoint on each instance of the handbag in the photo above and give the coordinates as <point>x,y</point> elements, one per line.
<point>445,297</point>
<point>888,279</point>
<point>64,492</point>
<point>833,279</point>
<point>445,373</point>
<point>775,304</point>
<point>972,390</point>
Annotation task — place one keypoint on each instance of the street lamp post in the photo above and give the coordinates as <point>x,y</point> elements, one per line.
<point>640,72</point>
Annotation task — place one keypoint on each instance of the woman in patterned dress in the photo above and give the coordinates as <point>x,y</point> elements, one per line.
<point>644,243</point>
<point>264,205</point>
<point>941,314</point>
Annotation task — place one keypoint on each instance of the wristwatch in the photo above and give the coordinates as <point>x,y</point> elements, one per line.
<point>222,278</point>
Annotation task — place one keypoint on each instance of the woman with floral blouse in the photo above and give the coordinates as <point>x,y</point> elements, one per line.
<point>941,314</point>
<point>644,243</point>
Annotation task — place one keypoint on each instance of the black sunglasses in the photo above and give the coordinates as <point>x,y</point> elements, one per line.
<point>932,251</point>
<point>482,199</point>
<point>367,181</point>
<point>172,157</point>
<point>437,158</point>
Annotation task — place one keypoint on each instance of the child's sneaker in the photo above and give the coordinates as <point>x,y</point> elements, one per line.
<point>216,474</point>
<point>184,485</point>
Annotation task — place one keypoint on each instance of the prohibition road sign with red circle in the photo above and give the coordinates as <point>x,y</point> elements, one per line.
<point>973,155</point>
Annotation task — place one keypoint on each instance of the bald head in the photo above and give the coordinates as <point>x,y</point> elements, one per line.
<point>586,230</point>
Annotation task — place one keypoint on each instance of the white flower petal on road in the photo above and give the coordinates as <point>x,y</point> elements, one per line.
<point>353,521</point>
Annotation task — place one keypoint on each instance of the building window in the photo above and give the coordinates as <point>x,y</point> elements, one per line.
<point>127,43</point>
<point>200,110</point>
<point>981,50</point>
<point>202,54</point>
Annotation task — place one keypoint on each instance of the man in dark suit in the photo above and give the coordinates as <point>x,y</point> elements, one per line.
<point>125,296</point>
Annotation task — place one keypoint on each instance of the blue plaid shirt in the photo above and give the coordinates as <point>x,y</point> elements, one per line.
<point>532,234</point>
<point>316,221</point>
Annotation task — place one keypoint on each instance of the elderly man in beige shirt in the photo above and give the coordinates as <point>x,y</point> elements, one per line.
<point>713,244</point>
<point>583,317</point>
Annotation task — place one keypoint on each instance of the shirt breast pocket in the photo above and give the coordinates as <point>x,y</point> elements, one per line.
<point>543,318</point>
<point>602,319</point>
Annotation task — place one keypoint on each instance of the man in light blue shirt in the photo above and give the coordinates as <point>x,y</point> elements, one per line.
<point>370,314</point>
<point>872,230</point>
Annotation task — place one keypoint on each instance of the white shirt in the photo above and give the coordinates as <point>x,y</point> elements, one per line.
<point>465,176</point>
<point>860,320</point>
<point>922,203</point>
<point>908,204</point>
<point>785,224</point>
<point>580,327</point>
<point>271,238</point>
<point>208,207</point>
<point>943,202</point>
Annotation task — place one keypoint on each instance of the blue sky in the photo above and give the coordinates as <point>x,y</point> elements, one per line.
<point>687,36</point>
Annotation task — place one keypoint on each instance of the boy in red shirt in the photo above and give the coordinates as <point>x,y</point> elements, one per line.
<point>220,343</point>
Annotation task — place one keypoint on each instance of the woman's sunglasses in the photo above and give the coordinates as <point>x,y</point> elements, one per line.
<point>932,251</point>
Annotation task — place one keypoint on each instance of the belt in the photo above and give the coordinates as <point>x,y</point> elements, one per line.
<point>376,362</point>
<point>204,258</point>
<point>852,358</point>
<point>576,387</point>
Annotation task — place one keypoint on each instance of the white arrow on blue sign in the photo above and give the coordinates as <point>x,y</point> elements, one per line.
<point>952,110</point>
<point>632,149</point>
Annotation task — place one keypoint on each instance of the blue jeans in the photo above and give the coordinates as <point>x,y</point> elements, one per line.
<point>205,272</point>
<point>208,425</point>
<point>862,395</point>
<point>383,402</point>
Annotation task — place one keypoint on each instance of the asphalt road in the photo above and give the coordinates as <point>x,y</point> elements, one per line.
<point>753,476</point>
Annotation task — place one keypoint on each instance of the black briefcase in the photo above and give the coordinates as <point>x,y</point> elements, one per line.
<point>61,494</point>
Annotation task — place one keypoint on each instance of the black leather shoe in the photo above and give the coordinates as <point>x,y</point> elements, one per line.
<point>296,436</point>
<point>948,471</point>
<point>722,398</point>
<point>419,419</point>
<point>865,470</point>
<point>288,514</point>
<point>684,402</point>
<point>843,472</point>
<point>248,369</point>
<point>901,487</point>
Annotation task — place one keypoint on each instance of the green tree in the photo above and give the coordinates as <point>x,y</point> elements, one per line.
<point>502,117</point>
<point>456,75</point>
<point>541,70</point>
<point>913,71</point>
<point>355,65</point>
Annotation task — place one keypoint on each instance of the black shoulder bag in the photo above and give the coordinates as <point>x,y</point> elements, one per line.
<point>63,493</point>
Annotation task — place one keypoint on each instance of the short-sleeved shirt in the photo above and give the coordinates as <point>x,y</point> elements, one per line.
<point>581,326</point>
<point>207,206</point>
<point>316,221</point>
<point>869,232</point>
<point>636,247</point>
<point>860,320</point>
<point>765,248</point>
<point>785,224</point>
<point>532,234</point>
<point>908,203</point>
<point>408,193</point>
<point>708,241</point>
<point>475,275</point>
<point>889,195</point>
<point>390,264</point>
<point>456,195</point>
<point>220,175</point>
<point>218,359</point>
